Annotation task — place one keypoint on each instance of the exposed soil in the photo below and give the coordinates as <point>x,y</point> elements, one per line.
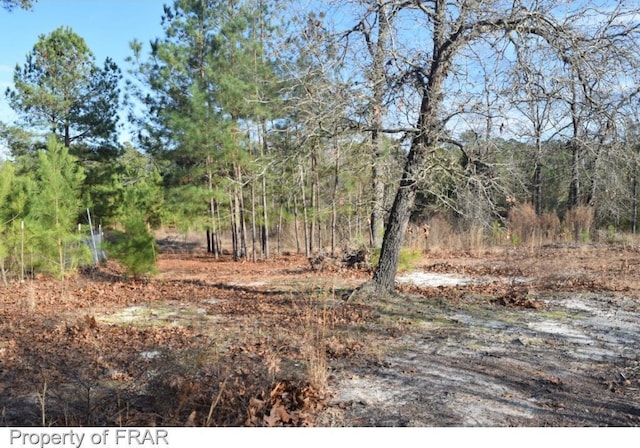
<point>510,337</point>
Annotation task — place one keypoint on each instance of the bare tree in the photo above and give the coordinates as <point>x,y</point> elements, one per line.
<point>445,28</point>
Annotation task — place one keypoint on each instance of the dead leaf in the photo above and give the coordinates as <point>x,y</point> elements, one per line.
<point>191,421</point>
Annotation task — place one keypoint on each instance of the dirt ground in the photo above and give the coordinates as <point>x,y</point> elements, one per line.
<point>508,337</point>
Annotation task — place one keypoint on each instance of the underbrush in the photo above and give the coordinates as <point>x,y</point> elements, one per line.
<point>522,227</point>
<point>240,357</point>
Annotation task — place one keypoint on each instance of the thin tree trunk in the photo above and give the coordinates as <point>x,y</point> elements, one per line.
<point>295,222</point>
<point>537,188</point>
<point>635,204</point>
<point>265,209</point>
<point>214,229</point>
<point>379,54</point>
<point>305,220</point>
<point>254,255</point>
<point>574,185</point>
<point>234,225</point>
<point>243,226</point>
<point>334,200</point>
<point>4,273</point>
<point>537,176</point>
<point>314,200</point>
<point>279,229</point>
<point>217,240</point>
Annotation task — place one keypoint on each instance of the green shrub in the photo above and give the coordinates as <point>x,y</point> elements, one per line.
<point>135,248</point>
<point>406,259</point>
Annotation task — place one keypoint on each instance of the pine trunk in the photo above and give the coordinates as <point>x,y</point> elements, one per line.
<point>305,221</point>
<point>334,201</point>
<point>296,226</point>
<point>254,255</point>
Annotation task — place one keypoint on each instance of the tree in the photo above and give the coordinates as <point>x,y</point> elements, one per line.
<point>136,247</point>
<point>60,89</point>
<point>434,64</point>
<point>375,28</point>
<point>129,182</point>
<point>7,172</point>
<point>205,85</point>
<point>55,209</point>
<point>9,5</point>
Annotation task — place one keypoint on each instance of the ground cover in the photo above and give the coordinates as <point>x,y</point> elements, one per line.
<point>524,337</point>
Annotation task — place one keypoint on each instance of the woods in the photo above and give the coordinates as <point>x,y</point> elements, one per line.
<point>270,128</point>
<point>337,213</point>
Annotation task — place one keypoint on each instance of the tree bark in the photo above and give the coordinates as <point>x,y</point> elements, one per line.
<point>422,146</point>
<point>334,200</point>
<point>254,255</point>
<point>265,214</point>
<point>378,54</point>
<point>574,185</point>
<point>314,200</point>
<point>308,241</point>
<point>296,226</point>
<point>385,273</point>
<point>634,217</point>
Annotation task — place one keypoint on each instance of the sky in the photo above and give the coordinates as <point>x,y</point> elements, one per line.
<point>107,26</point>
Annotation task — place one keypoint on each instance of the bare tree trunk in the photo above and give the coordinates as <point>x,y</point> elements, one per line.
<point>254,255</point>
<point>378,54</point>
<point>334,200</point>
<point>385,273</point>
<point>243,226</point>
<point>421,149</point>
<point>314,200</point>
<point>574,185</point>
<point>296,226</point>
<point>218,243</point>
<point>4,273</point>
<point>537,189</point>
<point>279,229</point>
<point>265,214</point>
<point>214,230</point>
<point>305,221</point>
<point>634,220</point>
<point>234,224</point>
<point>212,245</point>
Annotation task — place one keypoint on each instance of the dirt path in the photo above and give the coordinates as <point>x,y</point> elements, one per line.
<point>569,359</point>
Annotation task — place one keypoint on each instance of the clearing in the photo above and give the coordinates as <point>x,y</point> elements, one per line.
<point>507,337</point>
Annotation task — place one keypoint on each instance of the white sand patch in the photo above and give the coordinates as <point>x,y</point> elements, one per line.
<point>434,280</point>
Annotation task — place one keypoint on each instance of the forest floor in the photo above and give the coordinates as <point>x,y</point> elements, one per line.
<point>503,337</point>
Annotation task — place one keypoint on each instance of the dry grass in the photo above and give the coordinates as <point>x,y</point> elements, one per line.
<point>523,225</point>
<point>550,227</point>
<point>579,223</point>
<point>313,347</point>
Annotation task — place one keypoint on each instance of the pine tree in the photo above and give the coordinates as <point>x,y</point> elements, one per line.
<point>56,207</point>
<point>6,183</point>
<point>136,247</point>
<point>62,90</point>
<point>207,80</point>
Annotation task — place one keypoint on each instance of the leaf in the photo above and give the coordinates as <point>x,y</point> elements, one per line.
<point>272,419</point>
<point>191,421</point>
<point>282,413</point>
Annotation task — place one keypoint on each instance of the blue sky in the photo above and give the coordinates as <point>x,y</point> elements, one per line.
<point>106,25</point>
